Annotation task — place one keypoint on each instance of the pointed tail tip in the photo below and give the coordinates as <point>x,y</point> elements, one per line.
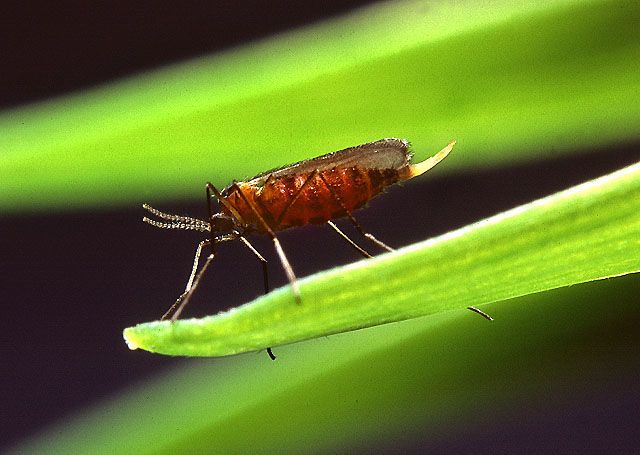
<point>424,166</point>
<point>445,151</point>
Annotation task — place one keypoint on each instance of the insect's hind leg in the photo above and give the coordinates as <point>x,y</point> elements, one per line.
<point>480,312</point>
<point>192,284</point>
<point>348,240</point>
<point>292,201</point>
<point>355,223</point>
<point>209,188</point>
<point>368,235</point>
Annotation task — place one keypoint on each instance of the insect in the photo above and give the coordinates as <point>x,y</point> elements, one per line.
<point>314,191</point>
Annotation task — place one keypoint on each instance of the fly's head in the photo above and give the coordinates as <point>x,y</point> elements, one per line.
<point>224,227</point>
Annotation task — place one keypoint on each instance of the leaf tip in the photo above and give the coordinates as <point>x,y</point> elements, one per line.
<point>129,336</point>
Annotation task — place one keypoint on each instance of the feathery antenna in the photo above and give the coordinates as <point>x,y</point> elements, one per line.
<point>186,223</point>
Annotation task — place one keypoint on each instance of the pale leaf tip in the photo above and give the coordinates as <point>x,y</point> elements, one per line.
<point>130,338</point>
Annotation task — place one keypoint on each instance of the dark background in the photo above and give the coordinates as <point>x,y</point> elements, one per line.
<point>71,282</point>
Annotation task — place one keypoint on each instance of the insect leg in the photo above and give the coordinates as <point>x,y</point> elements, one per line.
<point>263,261</point>
<point>265,276</point>
<point>208,189</point>
<point>293,281</point>
<point>191,284</point>
<point>480,312</point>
<point>309,179</point>
<point>368,235</point>
<point>353,220</point>
<point>222,200</point>
<point>194,279</point>
<point>349,241</point>
<point>212,189</point>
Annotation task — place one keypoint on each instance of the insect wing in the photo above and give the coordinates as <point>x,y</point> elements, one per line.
<point>382,154</point>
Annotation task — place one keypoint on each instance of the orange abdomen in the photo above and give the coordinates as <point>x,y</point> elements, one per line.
<point>287,201</point>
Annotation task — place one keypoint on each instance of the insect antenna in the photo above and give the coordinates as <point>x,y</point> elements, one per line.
<point>175,221</point>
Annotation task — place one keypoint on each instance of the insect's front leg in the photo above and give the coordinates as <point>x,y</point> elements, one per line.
<point>263,262</point>
<point>192,284</point>
<point>265,275</point>
<point>291,276</point>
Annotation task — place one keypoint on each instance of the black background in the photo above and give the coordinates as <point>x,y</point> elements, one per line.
<point>71,282</point>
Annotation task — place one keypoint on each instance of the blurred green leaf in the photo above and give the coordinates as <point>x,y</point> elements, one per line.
<point>508,80</point>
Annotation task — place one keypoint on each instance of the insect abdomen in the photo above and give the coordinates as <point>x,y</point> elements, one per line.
<point>287,201</point>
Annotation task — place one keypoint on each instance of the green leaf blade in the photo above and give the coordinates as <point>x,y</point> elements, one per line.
<point>585,233</point>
